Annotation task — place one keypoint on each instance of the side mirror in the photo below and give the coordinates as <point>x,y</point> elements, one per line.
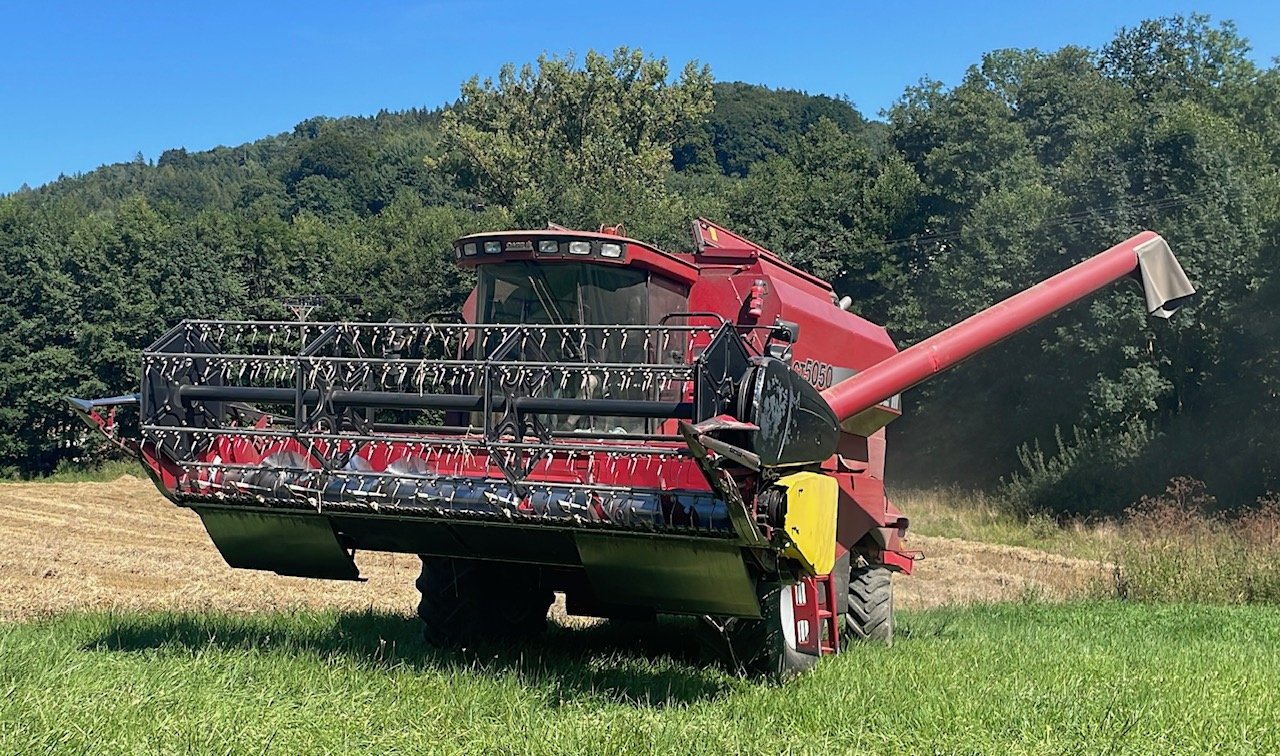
<point>785,332</point>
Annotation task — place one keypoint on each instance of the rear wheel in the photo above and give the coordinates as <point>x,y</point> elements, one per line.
<point>767,646</point>
<point>468,601</point>
<point>869,615</point>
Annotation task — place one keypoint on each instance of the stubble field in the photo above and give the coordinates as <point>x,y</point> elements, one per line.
<point>121,546</point>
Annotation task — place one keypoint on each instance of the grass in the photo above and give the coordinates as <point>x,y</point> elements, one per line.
<point>103,472</point>
<point>975,516</point>
<point>1027,678</point>
<point>1175,547</point>
<point>1179,547</point>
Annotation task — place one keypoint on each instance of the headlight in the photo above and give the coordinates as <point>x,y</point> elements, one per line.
<point>609,249</point>
<point>548,247</point>
<point>492,248</point>
<point>469,249</point>
<point>579,248</point>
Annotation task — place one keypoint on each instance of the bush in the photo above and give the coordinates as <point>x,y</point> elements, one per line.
<point>1178,547</point>
<point>1086,476</point>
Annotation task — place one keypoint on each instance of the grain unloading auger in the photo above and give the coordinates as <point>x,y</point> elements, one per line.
<point>647,432</point>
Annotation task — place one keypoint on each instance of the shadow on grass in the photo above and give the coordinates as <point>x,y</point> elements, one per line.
<point>653,664</point>
<point>936,626</point>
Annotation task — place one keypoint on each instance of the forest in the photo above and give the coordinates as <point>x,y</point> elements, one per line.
<point>960,195</point>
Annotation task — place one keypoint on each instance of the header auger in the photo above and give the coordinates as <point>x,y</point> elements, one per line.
<point>646,432</point>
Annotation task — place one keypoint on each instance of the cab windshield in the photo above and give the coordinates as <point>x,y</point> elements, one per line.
<point>563,294</point>
<point>569,294</point>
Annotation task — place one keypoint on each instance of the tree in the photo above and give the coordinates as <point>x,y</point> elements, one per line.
<point>1036,161</point>
<point>826,207</point>
<point>752,123</point>
<point>579,145</point>
<point>1180,57</point>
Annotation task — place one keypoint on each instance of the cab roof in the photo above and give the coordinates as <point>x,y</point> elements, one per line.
<point>716,247</point>
<point>553,245</point>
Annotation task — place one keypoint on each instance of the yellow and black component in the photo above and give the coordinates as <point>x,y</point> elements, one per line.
<point>810,520</point>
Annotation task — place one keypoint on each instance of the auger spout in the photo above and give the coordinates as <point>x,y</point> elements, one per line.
<point>1165,285</point>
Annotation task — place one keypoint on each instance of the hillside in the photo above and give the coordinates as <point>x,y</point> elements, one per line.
<point>1035,160</point>
<point>331,166</point>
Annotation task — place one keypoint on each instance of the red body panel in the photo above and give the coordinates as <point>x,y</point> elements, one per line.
<point>833,345</point>
<point>732,279</point>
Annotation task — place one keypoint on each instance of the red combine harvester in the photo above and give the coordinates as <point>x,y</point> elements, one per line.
<point>646,432</point>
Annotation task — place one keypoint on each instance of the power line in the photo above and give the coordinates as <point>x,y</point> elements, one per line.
<point>1065,219</point>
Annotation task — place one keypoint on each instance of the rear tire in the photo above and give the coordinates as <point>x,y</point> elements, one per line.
<point>467,601</point>
<point>767,646</point>
<point>869,615</point>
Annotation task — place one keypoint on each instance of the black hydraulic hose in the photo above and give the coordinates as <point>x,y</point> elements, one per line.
<point>248,394</point>
<point>455,402</point>
<point>605,407</point>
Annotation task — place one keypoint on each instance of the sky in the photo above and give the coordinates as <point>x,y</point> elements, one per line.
<point>93,82</point>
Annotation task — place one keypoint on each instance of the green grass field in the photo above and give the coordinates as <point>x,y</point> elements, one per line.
<point>975,516</point>
<point>1030,678</point>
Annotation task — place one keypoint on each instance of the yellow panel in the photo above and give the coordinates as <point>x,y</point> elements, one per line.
<point>810,523</point>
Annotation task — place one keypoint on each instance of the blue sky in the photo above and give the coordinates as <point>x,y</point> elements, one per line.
<point>90,83</point>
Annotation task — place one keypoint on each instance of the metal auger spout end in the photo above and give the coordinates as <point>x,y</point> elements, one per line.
<point>1164,283</point>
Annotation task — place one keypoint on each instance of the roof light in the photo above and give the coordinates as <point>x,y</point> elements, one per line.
<point>492,247</point>
<point>579,248</point>
<point>609,249</point>
<point>548,247</point>
<point>469,249</point>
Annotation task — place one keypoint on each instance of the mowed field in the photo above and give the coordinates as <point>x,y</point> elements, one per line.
<point>121,546</point>
<point>123,632</point>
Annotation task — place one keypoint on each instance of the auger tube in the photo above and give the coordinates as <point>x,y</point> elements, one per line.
<point>1165,285</point>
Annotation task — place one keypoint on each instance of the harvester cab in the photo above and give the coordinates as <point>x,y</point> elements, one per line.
<point>646,432</point>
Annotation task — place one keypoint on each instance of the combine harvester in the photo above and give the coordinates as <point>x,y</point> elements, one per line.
<point>647,432</point>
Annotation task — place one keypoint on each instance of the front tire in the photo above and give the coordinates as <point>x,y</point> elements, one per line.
<point>869,614</point>
<point>767,646</point>
<point>469,601</point>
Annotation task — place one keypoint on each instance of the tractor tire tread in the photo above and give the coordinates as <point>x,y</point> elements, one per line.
<point>869,614</point>
<point>466,601</point>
